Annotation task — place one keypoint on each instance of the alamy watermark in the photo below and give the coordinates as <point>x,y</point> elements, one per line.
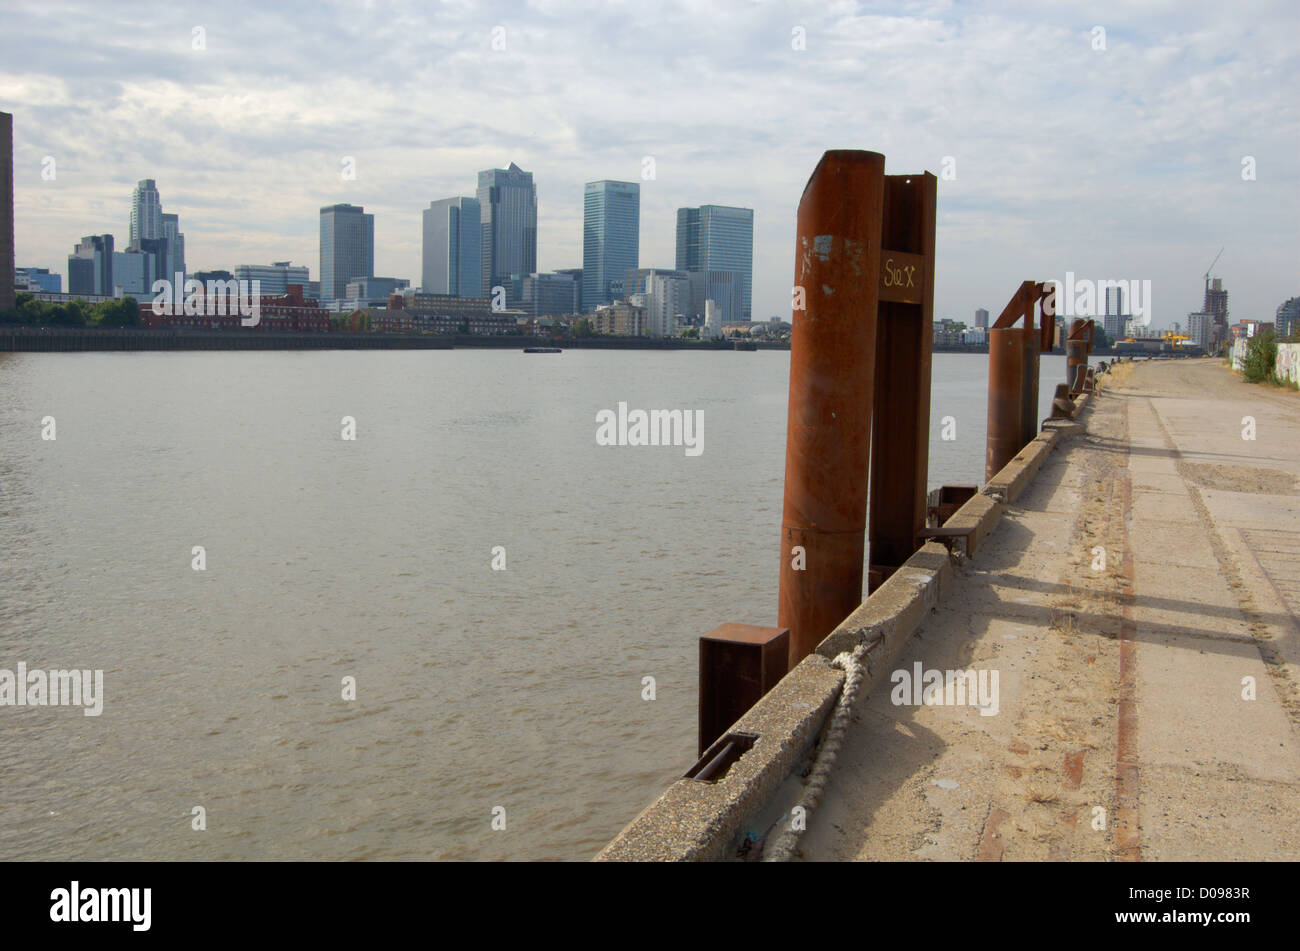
<point>656,427</point>
<point>951,688</point>
<point>53,688</point>
<point>190,298</point>
<point>1087,298</point>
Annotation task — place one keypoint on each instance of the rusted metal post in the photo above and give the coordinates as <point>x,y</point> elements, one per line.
<point>832,364</point>
<point>739,663</point>
<point>1006,431</point>
<point>1077,347</point>
<point>904,339</point>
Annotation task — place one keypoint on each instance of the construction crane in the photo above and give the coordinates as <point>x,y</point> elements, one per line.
<point>1211,267</point>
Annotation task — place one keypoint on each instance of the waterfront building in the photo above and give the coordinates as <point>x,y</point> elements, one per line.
<point>621,318</point>
<point>611,229</point>
<point>347,247</point>
<point>452,249</point>
<point>718,238</point>
<point>507,200</point>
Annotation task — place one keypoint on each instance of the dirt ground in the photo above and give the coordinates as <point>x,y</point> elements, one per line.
<point>1138,605</point>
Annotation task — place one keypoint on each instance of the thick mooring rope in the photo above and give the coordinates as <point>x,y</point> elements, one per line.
<point>854,665</point>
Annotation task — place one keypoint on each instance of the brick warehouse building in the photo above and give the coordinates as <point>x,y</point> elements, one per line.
<point>279,312</point>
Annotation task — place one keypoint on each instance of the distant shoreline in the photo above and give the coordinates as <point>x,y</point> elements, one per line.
<point>24,338</point>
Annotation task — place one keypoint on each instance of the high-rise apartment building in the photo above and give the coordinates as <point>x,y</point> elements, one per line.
<point>507,200</point>
<point>347,248</point>
<point>981,319</point>
<point>146,213</point>
<point>1199,329</point>
<point>718,238</point>
<point>453,248</point>
<point>6,211</point>
<point>611,237</point>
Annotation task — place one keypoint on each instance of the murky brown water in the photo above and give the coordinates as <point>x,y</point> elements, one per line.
<point>371,559</point>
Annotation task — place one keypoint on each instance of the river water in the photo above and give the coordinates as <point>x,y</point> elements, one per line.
<point>479,693</point>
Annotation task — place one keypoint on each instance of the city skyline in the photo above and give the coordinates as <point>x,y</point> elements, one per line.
<point>247,163</point>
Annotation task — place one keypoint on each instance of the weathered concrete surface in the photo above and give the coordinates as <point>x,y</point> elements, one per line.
<point>696,821</point>
<point>1121,731</point>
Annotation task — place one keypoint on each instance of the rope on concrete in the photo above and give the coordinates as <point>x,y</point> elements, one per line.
<point>854,665</point>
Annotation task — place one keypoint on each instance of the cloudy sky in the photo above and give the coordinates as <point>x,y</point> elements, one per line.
<point>1122,162</point>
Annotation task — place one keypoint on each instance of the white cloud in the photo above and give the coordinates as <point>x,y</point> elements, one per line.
<point>1117,163</point>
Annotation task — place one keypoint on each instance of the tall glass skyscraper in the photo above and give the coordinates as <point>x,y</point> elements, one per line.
<point>453,248</point>
<point>507,200</point>
<point>611,237</point>
<point>718,238</point>
<point>347,248</point>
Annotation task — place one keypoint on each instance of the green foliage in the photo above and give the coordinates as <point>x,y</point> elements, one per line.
<point>1260,365</point>
<point>75,313</point>
<point>118,313</point>
<point>583,328</point>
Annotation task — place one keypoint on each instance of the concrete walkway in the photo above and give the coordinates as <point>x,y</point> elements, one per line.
<point>1125,728</point>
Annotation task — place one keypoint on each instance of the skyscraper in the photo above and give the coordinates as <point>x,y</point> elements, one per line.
<point>507,200</point>
<point>982,319</point>
<point>347,248</point>
<point>611,230</point>
<point>146,212</point>
<point>718,238</point>
<point>453,248</point>
<point>171,233</point>
<point>6,211</point>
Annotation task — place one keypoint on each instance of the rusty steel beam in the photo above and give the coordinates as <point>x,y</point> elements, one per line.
<point>739,663</point>
<point>1006,429</point>
<point>1015,309</point>
<point>832,366</point>
<point>900,430</point>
